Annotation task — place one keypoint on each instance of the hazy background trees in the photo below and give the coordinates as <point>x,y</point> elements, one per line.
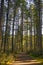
<point>21,26</point>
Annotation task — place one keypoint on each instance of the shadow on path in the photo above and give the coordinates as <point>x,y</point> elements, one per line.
<point>24,59</point>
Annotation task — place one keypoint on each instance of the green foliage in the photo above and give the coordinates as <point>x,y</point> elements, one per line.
<point>7,59</point>
<point>31,13</point>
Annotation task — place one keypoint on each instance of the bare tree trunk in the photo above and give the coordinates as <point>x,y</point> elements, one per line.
<point>1,16</point>
<point>38,27</point>
<point>21,29</point>
<point>6,31</point>
<point>13,28</point>
<point>30,31</point>
<point>27,36</point>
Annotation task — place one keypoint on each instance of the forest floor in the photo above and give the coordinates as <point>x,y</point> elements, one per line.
<point>24,59</point>
<point>20,59</point>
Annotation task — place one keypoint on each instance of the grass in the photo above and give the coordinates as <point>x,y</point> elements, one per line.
<point>6,59</point>
<point>39,58</point>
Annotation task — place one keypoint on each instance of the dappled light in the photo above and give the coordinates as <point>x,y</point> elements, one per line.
<point>21,32</point>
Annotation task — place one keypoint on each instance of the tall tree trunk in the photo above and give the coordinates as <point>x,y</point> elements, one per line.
<point>38,27</point>
<point>21,29</point>
<point>13,44</point>
<point>1,16</point>
<point>6,31</point>
<point>27,35</point>
<point>30,31</point>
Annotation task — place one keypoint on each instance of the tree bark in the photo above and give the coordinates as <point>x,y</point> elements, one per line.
<point>1,16</point>
<point>39,25</point>
<point>6,31</point>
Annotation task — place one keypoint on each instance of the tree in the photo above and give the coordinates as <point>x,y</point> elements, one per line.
<point>15,7</point>
<point>6,30</point>
<point>1,17</point>
<point>38,25</point>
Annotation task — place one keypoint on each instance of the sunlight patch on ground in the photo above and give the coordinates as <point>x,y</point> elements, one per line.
<point>20,63</point>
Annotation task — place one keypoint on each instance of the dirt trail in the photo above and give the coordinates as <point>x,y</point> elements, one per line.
<point>24,59</point>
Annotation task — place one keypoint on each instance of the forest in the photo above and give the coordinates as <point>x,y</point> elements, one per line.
<point>21,32</point>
